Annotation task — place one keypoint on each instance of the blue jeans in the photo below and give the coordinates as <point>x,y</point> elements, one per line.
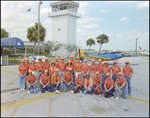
<point>114,78</point>
<point>43,89</point>
<point>103,80</point>
<point>73,77</point>
<point>52,87</point>
<point>83,77</point>
<point>129,84</point>
<point>124,92</point>
<point>66,86</point>
<point>89,90</point>
<point>22,81</point>
<point>31,87</point>
<point>61,73</point>
<point>109,93</point>
<point>38,77</point>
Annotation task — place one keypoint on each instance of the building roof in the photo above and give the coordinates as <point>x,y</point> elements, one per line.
<point>12,42</point>
<point>62,2</point>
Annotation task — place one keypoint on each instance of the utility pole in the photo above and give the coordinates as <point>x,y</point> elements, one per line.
<point>136,47</point>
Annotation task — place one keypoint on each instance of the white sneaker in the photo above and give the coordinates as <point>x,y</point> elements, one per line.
<point>28,91</point>
<point>23,89</point>
<point>111,97</point>
<point>57,91</point>
<point>20,89</point>
<point>45,91</point>
<point>100,96</point>
<point>117,98</point>
<point>72,91</point>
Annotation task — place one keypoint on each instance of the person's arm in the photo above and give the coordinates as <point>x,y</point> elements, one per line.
<point>110,88</point>
<point>25,73</point>
<point>91,83</point>
<point>64,79</point>
<point>105,88</point>
<point>122,85</point>
<point>117,88</point>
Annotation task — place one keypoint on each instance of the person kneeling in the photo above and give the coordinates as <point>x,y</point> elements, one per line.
<point>121,84</point>
<point>109,86</point>
<point>55,81</point>
<point>31,81</point>
<point>88,84</point>
<point>79,81</point>
<point>44,82</point>
<point>67,80</point>
<point>98,83</point>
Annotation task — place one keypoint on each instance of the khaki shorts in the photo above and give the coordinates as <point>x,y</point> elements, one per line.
<point>92,75</point>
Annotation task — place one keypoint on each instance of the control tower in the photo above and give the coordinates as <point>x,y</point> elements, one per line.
<point>64,15</point>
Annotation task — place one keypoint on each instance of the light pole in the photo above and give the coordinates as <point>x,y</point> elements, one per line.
<point>136,47</point>
<point>41,2</point>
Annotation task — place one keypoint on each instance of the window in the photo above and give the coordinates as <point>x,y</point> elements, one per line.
<point>53,9</point>
<point>57,8</point>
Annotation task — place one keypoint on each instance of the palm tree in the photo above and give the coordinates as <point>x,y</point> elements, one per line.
<point>4,33</point>
<point>90,42</point>
<point>101,39</point>
<point>32,34</point>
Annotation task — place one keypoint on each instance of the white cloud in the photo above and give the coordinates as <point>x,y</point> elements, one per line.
<point>142,5</point>
<point>147,17</point>
<point>124,19</point>
<point>88,20</point>
<point>103,11</point>
<point>83,8</point>
<point>91,26</point>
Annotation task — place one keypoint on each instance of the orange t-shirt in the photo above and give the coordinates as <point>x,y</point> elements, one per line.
<point>56,64</point>
<point>105,69</point>
<point>127,71</point>
<point>62,66</point>
<point>79,81</point>
<point>115,70</point>
<point>39,66</point>
<point>67,77</point>
<point>99,68</point>
<point>120,82</point>
<point>44,79</point>
<point>32,67</point>
<point>47,65</point>
<point>78,67</point>
<point>28,65</point>
<point>93,68</point>
<point>22,69</point>
<point>73,62</point>
<point>52,70</point>
<point>31,79</point>
<point>55,78</point>
<point>109,83</point>
<point>85,68</point>
<point>69,67</point>
<point>97,80</point>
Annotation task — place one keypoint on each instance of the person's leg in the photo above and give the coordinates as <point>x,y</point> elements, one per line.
<point>116,91</point>
<point>72,87</point>
<point>124,92</point>
<point>98,90</point>
<point>47,87</point>
<point>85,92</point>
<point>29,87</point>
<point>42,89</point>
<point>52,87</point>
<point>58,87</point>
<point>106,95</point>
<point>65,87</point>
<point>111,92</point>
<point>23,82</point>
<point>103,80</point>
<point>76,90</point>
<point>38,77</point>
<point>90,89</point>
<point>34,90</point>
<point>20,81</point>
<point>129,84</point>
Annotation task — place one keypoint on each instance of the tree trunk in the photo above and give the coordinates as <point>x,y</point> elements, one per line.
<point>34,47</point>
<point>100,48</point>
<point>89,49</point>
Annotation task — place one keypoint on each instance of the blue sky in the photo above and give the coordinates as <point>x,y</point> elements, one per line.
<point>122,21</point>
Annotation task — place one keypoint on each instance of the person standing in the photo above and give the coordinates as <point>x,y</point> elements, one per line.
<point>44,82</point>
<point>128,73</point>
<point>85,69</point>
<point>77,67</point>
<point>115,69</point>
<point>47,64</point>
<point>22,75</point>
<point>31,81</point>
<point>68,80</point>
<point>33,67</point>
<point>28,65</point>
<point>105,69</point>
<point>79,83</point>
<point>93,68</point>
<point>56,61</point>
<point>109,86</point>
<point>52,69</point>
<point>121,85</point>
<point>100,67</point>
<point>73,62</point>
<point>40,67</point>
<point>55,81</point>
<point>88,84</point>
<point>69,65</point>
<point>97,84</point>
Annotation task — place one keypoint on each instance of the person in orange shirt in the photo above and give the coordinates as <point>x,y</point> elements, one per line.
<point>44,82</point>
<point>109,86</point>
<point>93,68</point>
<point>73,62</point>
<point>28,65</point>
<point>115,69</point>
<point>55,81</point>
<point>52,69</point>
<point>31,81</point>
<point>33,67</point>
<point>128,73</point>
<point>88,84</point>
<point>79,83</point>
<point>69,65</point>
<point>56,62</point>
<point>40,67</point>
<point>22,75</point>
<point>85,69</point>
<point>97,84</point>
<point>77,67</point>
<point>121,84</point>
<point>47,64</point>
<point>100,66</point>
<point>105,69</point>
<point>68,80</point>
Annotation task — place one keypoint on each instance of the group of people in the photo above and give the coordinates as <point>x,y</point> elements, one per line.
<point>94,78</point>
